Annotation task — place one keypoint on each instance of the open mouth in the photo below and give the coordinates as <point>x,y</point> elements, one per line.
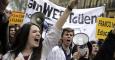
<point>37,40</point>
<point>68,40</point>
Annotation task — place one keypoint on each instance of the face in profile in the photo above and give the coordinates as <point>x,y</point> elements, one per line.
<point>67,38</point>
<point>95,49</point>
<point>34,36</point>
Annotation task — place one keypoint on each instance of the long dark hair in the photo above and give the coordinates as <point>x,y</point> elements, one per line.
<point>21,41</point>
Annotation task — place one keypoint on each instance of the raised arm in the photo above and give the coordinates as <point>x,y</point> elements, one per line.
<point>3,4</point>
<point>66,13</point>
<point>53,35</point>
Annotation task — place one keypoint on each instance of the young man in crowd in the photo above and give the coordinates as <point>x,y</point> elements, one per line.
<point>62,51</point>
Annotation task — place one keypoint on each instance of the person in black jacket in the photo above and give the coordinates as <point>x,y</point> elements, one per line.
<point>107,51</point>
<point>3,27</point>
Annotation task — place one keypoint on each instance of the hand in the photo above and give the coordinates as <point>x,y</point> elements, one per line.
<point>73,3</point>
<point>76,55</point>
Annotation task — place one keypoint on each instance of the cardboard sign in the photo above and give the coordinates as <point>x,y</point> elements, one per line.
<point>16,18</point>
<point>104,25</point>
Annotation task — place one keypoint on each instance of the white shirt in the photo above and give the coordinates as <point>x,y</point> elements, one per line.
<point>56,54</point>
<point>51,39</point>
<point>9,56</point>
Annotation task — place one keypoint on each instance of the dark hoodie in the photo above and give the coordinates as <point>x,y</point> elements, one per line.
<point>3,27</point>
<point>107,50</point>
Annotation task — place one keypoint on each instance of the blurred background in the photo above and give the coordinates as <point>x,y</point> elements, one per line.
<point>109,4</point>
<point>20,5</point>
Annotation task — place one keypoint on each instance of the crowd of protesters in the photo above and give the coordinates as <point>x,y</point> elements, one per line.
<point>26,43</point>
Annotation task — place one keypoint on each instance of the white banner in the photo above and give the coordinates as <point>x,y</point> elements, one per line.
<point>82,20</point>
